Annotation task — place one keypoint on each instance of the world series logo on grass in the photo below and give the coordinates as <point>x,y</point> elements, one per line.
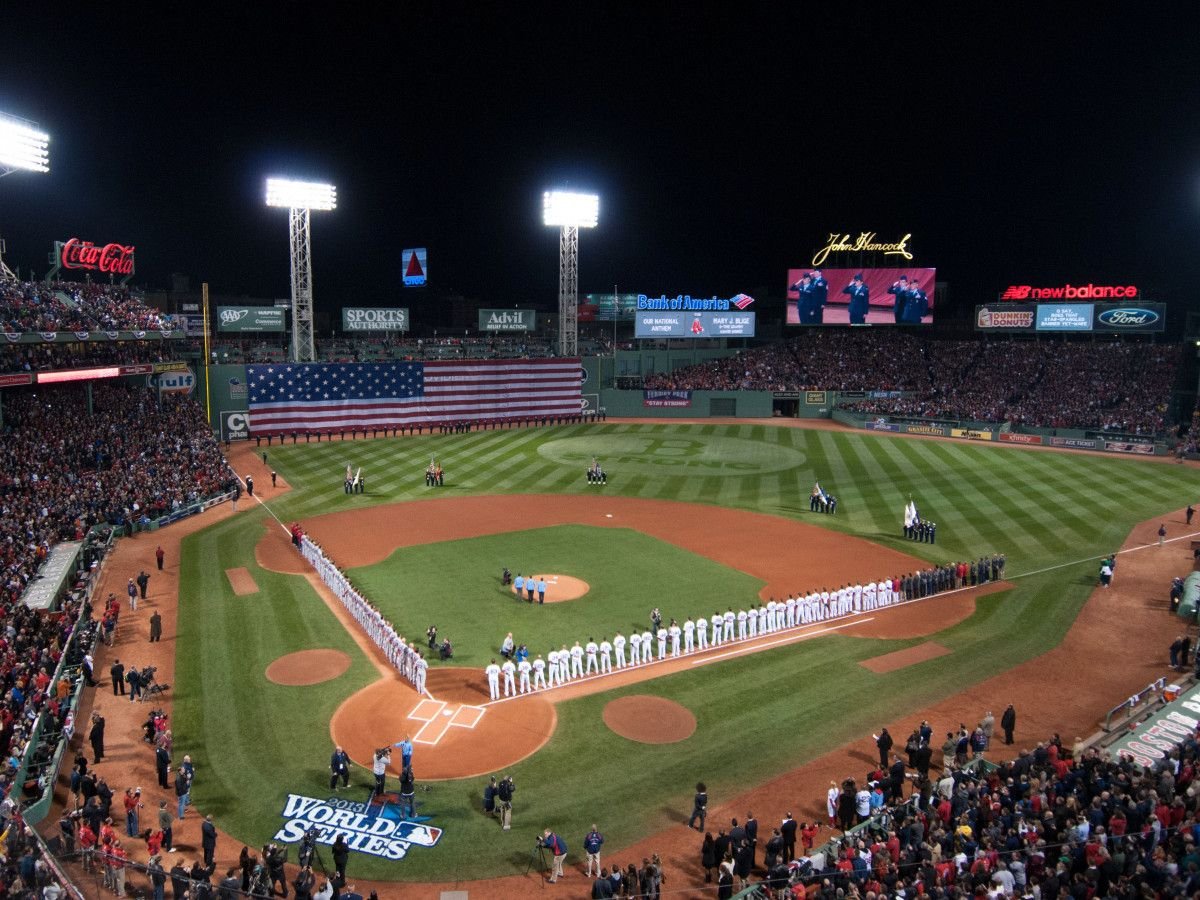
<point>367,828</point>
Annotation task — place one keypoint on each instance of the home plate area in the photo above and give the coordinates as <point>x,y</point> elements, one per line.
<point>439,717</point>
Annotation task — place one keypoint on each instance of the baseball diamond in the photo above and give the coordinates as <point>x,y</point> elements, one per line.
<point>687,543</point>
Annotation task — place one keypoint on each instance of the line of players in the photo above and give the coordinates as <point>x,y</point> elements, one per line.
<point>403,655</point>
<point>601,658</point>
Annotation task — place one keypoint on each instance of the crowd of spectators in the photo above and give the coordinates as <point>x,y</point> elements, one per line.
<point>71,306</point>
<point>1119,386</point>
<point>135,460</point>
<point>1057,821</point>
<point>43,357</point>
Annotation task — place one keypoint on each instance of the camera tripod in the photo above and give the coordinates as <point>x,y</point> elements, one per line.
<point>538,856</point>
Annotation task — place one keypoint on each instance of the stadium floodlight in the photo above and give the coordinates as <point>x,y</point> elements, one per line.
<point>299,198</point>
<point>569,211</point>
<point>23,146</point>
<point>301,194</point>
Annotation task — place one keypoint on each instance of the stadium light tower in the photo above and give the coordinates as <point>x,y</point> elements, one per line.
<point>23,147</point>
<point>569,212</point>
<point>299,198</point>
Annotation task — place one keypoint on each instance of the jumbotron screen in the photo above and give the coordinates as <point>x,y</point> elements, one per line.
<point>860,296</point>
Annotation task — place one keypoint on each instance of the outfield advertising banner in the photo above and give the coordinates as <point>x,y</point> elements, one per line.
<point>1073,443</point>
<point>507,320</point>
<point>249,318</point>
<point>357,318</point>
<point>1129,447</point>
<point>1010,437</point>
<point>1064,316</point>
<point>881,425</point>
<point>935,430</point>
<point>235,425</point>
<point>971,434</point>
<point>1009,317</point>
<point>684,324</point>
<point>660,399</point>
<point>871,301</point>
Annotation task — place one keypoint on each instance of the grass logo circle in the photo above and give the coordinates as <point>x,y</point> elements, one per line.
<point>650,454</point>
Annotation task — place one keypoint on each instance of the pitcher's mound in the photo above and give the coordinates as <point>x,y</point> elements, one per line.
<point>649,720</point>
<point>308,667</point>
<point>558,588</point>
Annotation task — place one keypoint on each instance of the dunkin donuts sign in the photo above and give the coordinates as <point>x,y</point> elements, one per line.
<point>111,259</point>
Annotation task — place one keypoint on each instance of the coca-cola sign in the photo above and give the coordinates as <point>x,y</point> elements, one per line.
<point>112,259</point>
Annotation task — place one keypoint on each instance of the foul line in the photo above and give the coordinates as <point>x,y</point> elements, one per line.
<point>1182,537</point>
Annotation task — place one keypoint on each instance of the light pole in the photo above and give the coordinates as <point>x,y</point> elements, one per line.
<point>569,212</point>
<point>299,198</point>
<point>23,147</point>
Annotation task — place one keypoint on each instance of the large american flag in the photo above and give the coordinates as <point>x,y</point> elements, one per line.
<point>331,396</point>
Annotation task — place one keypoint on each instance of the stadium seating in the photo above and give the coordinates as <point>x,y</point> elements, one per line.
<point>70,306</point>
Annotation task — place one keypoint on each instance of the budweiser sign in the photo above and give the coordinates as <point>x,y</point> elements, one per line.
<point>114,259</point>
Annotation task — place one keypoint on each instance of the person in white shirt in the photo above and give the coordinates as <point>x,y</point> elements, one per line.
<point>577,661</point>
<point>729,618</point>
<point>510,682</point>
<point>675,633</point>
<point>592,649</point>
<point>493,677</point>
<point>718,624</point>
<point>741,624</point>
<point>635,648</point>
<point>619,647</point>
<point>539,674</point>
<point>647,647</point>
<point>662,643</point>
<point>421,670</point>
<point>790,612</point>
<point>702,632</point>
<point>524,667</point>
<point>752,622</point>
<point>772,617</point>
<point>605,656</point>
<point>564,665</point>
<point>689,636</point>
<point>555,669</point>
<point>762,619</point>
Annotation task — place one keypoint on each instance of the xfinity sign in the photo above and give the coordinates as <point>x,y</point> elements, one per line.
<point>363,319</point>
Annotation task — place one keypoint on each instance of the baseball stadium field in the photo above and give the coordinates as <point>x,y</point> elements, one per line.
<point>694,518</point>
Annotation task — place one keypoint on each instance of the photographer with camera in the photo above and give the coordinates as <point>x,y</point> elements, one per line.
<point>383,759</point>
<point>558,849</point>
<point>274,857</point>
<point>504,795</point>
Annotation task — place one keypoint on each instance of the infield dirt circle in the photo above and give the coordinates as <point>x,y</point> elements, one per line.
<point>559,588</point>
<point>308,667</point>
<point>649,720</point>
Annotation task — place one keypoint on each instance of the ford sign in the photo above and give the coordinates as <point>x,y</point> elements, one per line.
<point>1128,317</point>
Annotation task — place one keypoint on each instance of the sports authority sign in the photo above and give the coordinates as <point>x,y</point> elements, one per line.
<point>1070,292</point>
<point>249,318</point>
<point>362,319</point>
<point>375,829</point>
<point>110,259</point>
<point>507,320</point>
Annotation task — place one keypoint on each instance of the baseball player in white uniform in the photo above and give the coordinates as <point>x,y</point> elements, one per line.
<point>647,647</point>
<point>689,636</point>
<point>675,633</point>
<point>539,674</point>
<point>523,668</point>
<point>577,661</point>
<point>729,618</point>
<point>752,622</point>
<point>662,643</point>
<point>635,648</point>
<point>702,632</point>
<point>555,669</point>
<point>619,647</point>
<point>741,624</point>
<point>605,656</point>
<point>510,682</point>
<point>718,624</point>
<point>493,677</point>
<point>592,649</point>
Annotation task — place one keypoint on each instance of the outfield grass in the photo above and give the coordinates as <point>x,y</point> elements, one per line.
<point>1043,509</point>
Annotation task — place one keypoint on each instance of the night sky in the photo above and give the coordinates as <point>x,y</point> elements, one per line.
<point>725,142</point>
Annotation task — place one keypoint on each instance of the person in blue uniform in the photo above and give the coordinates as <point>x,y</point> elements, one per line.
<point>803,289</point>
<point>899,290</point>
<point>860,299</point>
<point>916,306</point>
<point>820,293</point>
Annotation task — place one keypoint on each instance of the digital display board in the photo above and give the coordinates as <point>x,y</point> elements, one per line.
<point>900,296</point>
<point>1064,317</point>
<point>688,324</point>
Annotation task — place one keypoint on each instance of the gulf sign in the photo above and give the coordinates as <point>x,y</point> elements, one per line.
<point>181,382</point>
